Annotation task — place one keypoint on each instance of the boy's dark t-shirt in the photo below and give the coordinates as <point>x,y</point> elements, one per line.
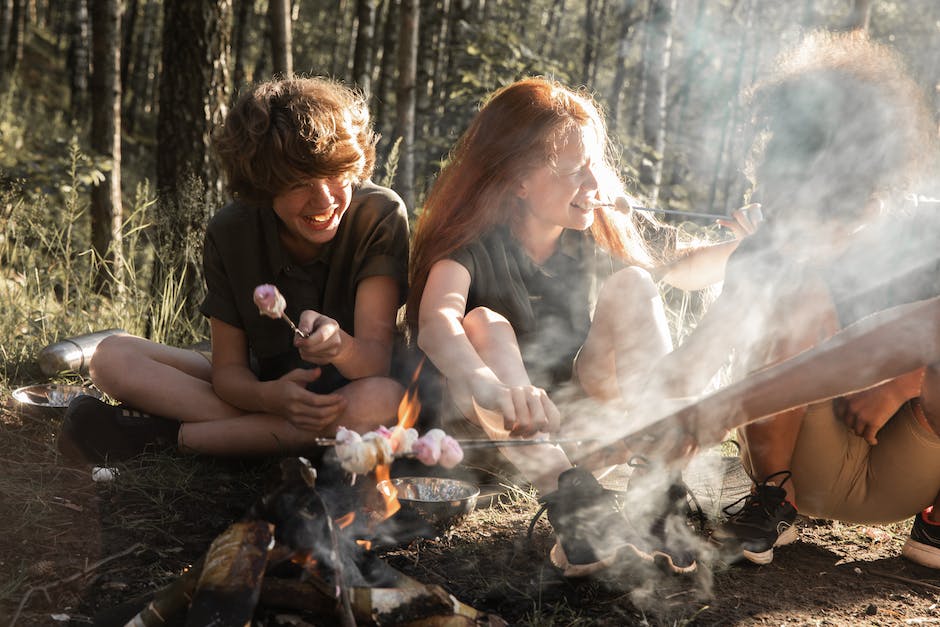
<point>243,250</point>
<point>549,306</point>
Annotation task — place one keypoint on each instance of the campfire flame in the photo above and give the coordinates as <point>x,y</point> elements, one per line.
<point>345,520</point>
<point>408,410</point>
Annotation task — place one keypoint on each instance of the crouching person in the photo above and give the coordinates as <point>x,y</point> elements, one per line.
<point>297,154</point>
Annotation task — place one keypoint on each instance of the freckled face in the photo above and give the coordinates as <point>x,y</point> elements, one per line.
<point>311,212</point>
<point>561,194</point>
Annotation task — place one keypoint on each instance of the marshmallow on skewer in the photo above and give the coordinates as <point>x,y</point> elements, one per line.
<point>270,301</point>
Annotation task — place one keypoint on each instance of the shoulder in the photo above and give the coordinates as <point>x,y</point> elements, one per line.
<point>375,201</point>
<point>233,216</point>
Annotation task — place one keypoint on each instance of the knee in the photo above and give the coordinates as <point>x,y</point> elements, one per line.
<point>483,325</point>
<point>630,283</point>
<point>110,356</point>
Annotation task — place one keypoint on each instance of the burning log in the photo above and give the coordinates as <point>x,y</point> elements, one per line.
<point>230,582</point>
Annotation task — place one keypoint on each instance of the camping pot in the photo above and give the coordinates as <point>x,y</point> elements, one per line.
<point>72,354</point>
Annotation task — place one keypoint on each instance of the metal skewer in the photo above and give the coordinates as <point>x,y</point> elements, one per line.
<point>293,326</point>
<point>670,212</point>
<point>479,443</point>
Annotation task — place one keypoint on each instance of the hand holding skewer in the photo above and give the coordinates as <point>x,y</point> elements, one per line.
<point>271,303</point>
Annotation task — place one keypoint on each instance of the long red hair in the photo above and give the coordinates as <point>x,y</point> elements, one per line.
<point>515,131</point>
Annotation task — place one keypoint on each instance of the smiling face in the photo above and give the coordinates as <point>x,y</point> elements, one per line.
<point>311,212</point>
<point>561,194</point>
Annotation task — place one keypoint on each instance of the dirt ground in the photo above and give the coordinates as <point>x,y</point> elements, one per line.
<point>72,548</point>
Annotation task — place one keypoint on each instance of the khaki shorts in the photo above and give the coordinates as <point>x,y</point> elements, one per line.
<point>839,476</point>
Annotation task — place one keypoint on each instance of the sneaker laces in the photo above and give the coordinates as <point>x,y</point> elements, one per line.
<point>678,490</point>
<point>554,497</point>
<point>757,504</point>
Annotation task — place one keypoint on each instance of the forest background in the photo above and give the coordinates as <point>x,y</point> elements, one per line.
<point>106,184</point>
<point>107,105</point>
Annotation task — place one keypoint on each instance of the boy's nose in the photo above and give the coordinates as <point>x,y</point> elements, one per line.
<point>320,192</point>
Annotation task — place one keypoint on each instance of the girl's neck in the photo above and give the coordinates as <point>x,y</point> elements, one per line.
<point>539,240</point>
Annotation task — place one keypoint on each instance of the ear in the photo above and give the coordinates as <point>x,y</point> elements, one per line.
<point>522,189</point>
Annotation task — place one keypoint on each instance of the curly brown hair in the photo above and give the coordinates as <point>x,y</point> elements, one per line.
<point>839,120</point>
<point>285,132</point>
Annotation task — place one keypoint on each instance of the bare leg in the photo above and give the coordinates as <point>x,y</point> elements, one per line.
<point>495,341</point>
<point>141,373</point>
<point>211,425</point>
<point>770,442</point>
<point>629,333</point>
<point>372,402</point>
<point>930,403</point>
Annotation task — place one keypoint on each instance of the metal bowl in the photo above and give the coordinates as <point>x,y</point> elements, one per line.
<point>51,395</point>
<point>441,502</point>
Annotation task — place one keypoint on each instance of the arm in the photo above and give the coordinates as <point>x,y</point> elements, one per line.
<point>883,346</point>
<point>525,409</point>
<point>235,383</point>
<point>698,268</point>
<point>703,266</point>
<point>440,327</point>
<point>369,352</point>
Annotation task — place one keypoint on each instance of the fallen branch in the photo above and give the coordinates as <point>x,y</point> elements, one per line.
<point>83,573</point>
<point>905,579</point>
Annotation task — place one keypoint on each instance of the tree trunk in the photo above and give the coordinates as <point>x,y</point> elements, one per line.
<point>405,100</point>
<point>193,93</point>
<point>138,94</point>
<point>128,34</point>
<point>552,24</point>
<point>387,74</point>
<point>365,36</point>
<point>860,17</point>
<point>242,9</point>
<point>590,6</point>
<point>106,209</point>
<point>78,60</point>
<point>15,47</point>
<point>724,144</point>
<point>626,20</point>
<point>281,57</point>
<point>654,111</point>
<point>6,17</point>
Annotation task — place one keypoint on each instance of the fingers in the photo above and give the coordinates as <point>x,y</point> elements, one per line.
<point>745,220</point>
<point>324,339</point>
<point>527,410</point>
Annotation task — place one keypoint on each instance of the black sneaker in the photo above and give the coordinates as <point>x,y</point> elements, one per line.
<point>923,547</point>
<point>591,532</point>
<point>94,432</point>
<point>765,520</point>
<point>659,502</point>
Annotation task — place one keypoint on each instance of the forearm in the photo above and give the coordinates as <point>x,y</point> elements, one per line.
<point>447,346</point>
<point>884,346</point>
<point>698,268</point>
<point>360,358</point>
<point>240,387</point>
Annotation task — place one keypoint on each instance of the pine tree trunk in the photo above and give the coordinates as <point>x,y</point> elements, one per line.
<point>626,20</point>
<point>281,57</point>
<point>78,60</point>
<point>654,111</point>
<point>128,24</point>
<point>106,209</point>
<point>387,75</point>
<point>193,93</point>
<point>860,17</point>
<point>242,10</point>
<point>365,36</point>
<point>6,16</point>
<point>138,96</point>
<point>405,100</point>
